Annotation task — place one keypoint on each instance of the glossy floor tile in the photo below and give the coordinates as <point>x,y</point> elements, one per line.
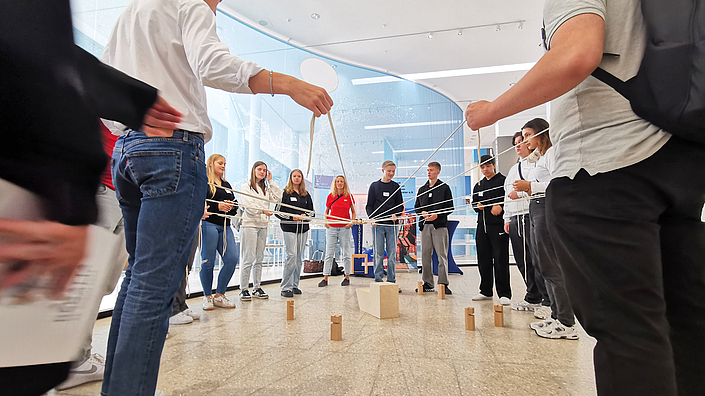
<point>254,350</point>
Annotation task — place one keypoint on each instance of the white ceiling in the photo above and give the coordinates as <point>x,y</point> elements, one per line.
<point>392,36</point>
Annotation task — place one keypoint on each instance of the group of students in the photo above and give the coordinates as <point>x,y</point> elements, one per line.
<point>512,209</point>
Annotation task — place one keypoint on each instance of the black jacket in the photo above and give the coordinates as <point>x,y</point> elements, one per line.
<point>376,197</point>
<point>51,95</point>
<point>433,201</point>
<point>294,199</point>
<point>220,195</point>
<point>494,196</point>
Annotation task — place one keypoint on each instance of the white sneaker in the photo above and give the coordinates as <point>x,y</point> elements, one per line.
<point>525,306</point>
<point>158,393</point>
<point>180,319</point>
<point>223,302</point>
<point>194,315</point>
<point>542,312</point>
<point>558,331</point>
<point>544,324</point>
<point>480,297</point>
<point>89,371</point>
<point>505,301</point>
<point>208,303</point>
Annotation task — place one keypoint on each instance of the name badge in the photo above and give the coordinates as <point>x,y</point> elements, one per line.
<point>430,195</point>
<point>385,193</point>
<point>293,199</point>
<point>481,193</point>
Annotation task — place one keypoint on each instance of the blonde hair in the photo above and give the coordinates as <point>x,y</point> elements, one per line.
<point>211,172</point>
<point>253,178</point>
<point>388,163</point>
<point>334,191</point>
<point>290,185</point>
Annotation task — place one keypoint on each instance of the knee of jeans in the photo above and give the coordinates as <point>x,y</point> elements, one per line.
<point>207,265</point>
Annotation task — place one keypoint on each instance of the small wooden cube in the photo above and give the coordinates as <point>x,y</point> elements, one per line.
<point>336,328</point>
<point>441,291</point>
<point>290,310</point>
<point>420,288</point>
<point>470,318</point>
<point>498,316</point>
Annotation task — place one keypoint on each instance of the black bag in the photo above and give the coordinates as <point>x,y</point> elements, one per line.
<point>669,89</point>
<point>336,270</point>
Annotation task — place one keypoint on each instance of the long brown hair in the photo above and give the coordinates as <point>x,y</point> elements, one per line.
<point>290,185</point>
<point>253,179</point>
<point>544,140</point>
<point>211,172</point>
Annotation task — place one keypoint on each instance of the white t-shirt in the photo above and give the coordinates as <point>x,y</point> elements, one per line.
<point>173,46</point>
<point>593,127</point>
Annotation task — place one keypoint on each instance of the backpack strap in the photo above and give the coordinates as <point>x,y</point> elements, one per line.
<point>612,81</point>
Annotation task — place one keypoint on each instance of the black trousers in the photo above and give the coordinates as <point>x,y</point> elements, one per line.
<point>179,301</point>
<point>632,247</point>
<point>493,259</point>
<point>520,237</point>
<point>32,380</point>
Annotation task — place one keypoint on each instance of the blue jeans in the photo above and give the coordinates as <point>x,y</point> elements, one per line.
<point>333,236</point>
<point>229,252</point>
<point>385,237</point>
<point>295,243</point>
<point>161,185</point>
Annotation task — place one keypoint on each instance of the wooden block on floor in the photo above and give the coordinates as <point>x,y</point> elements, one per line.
<point>470,318</point>
<point>290,310</point>
<point>364,263</point>
<point>420,288</point>
<point>381,300</point>
<point>499,316</point>
<point>441,292</point>
<point>336,327</point>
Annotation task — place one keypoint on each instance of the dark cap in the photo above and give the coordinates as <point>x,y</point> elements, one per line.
<point>487,160</point>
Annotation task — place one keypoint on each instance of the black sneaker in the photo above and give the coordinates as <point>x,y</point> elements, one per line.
<point>345,282</point>
<point>297,290</point>
<point>323,283</point>
<point>245,295</point>
<point>259,293</point>
<point>427,288</point>
<point>448,292</point>
<point>287,293</point>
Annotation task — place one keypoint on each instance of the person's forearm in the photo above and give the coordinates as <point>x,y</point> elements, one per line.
<point>281,83</point>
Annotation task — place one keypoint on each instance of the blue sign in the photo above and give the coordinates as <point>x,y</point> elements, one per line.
<point>322,181</point>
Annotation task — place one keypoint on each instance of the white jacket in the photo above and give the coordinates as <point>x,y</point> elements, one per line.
<point>252,215</point>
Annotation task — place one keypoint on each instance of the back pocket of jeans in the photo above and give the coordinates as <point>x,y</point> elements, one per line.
<point>156,173</point>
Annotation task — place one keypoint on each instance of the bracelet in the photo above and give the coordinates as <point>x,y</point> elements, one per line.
<point>271,85</point>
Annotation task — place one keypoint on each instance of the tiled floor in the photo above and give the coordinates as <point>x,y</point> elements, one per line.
<point>254,350</point>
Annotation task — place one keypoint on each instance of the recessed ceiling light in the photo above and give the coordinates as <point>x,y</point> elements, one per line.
<point>521,25</point>
<point>288,19</point>
<point>430,35</point>
<point>263,22</point>
<point>316,16</point>
<point>498,27</point>
<point>460,32</point>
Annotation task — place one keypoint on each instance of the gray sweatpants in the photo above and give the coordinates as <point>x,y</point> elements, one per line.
<point>434,239</point>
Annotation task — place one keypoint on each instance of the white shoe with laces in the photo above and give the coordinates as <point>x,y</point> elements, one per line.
<point>481,297</point>
<point>525,306</point>
<point>544,324</point>
<point>180,319</point>
<point>194,315</point>
<point>223,302</point>
<point>208,303</point>
<point>505,301</point>
<point>89,371</point>
<point>542,312</point>
<point>558,331</point>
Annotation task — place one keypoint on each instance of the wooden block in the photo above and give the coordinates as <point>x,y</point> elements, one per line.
<point>498,316</point>
<point>336,328</point>
<point>290,310</point>
<point>364,263</point>
<point>470,318</point>
<point>441,292</point>
<point>420,288</point>
<point>381,300</point>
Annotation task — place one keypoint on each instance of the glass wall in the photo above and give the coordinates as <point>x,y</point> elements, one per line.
<point>399,120</point>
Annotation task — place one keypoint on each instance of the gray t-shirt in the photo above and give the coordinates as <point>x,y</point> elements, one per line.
<point>592,126</point>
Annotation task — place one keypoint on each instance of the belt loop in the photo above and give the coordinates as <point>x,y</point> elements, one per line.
<point>185,136</point>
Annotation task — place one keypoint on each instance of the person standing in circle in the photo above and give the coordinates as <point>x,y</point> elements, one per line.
<point>218,236</point>
<point>253,234</point>
<point>340,207</point>
<point>295,230</point>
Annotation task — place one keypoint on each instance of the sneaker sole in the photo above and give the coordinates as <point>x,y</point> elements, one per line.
<point>261,298</point>
<point>208,309</point>
<point>557,337</point>
<point>245,299</point>
<point>225,306</point>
